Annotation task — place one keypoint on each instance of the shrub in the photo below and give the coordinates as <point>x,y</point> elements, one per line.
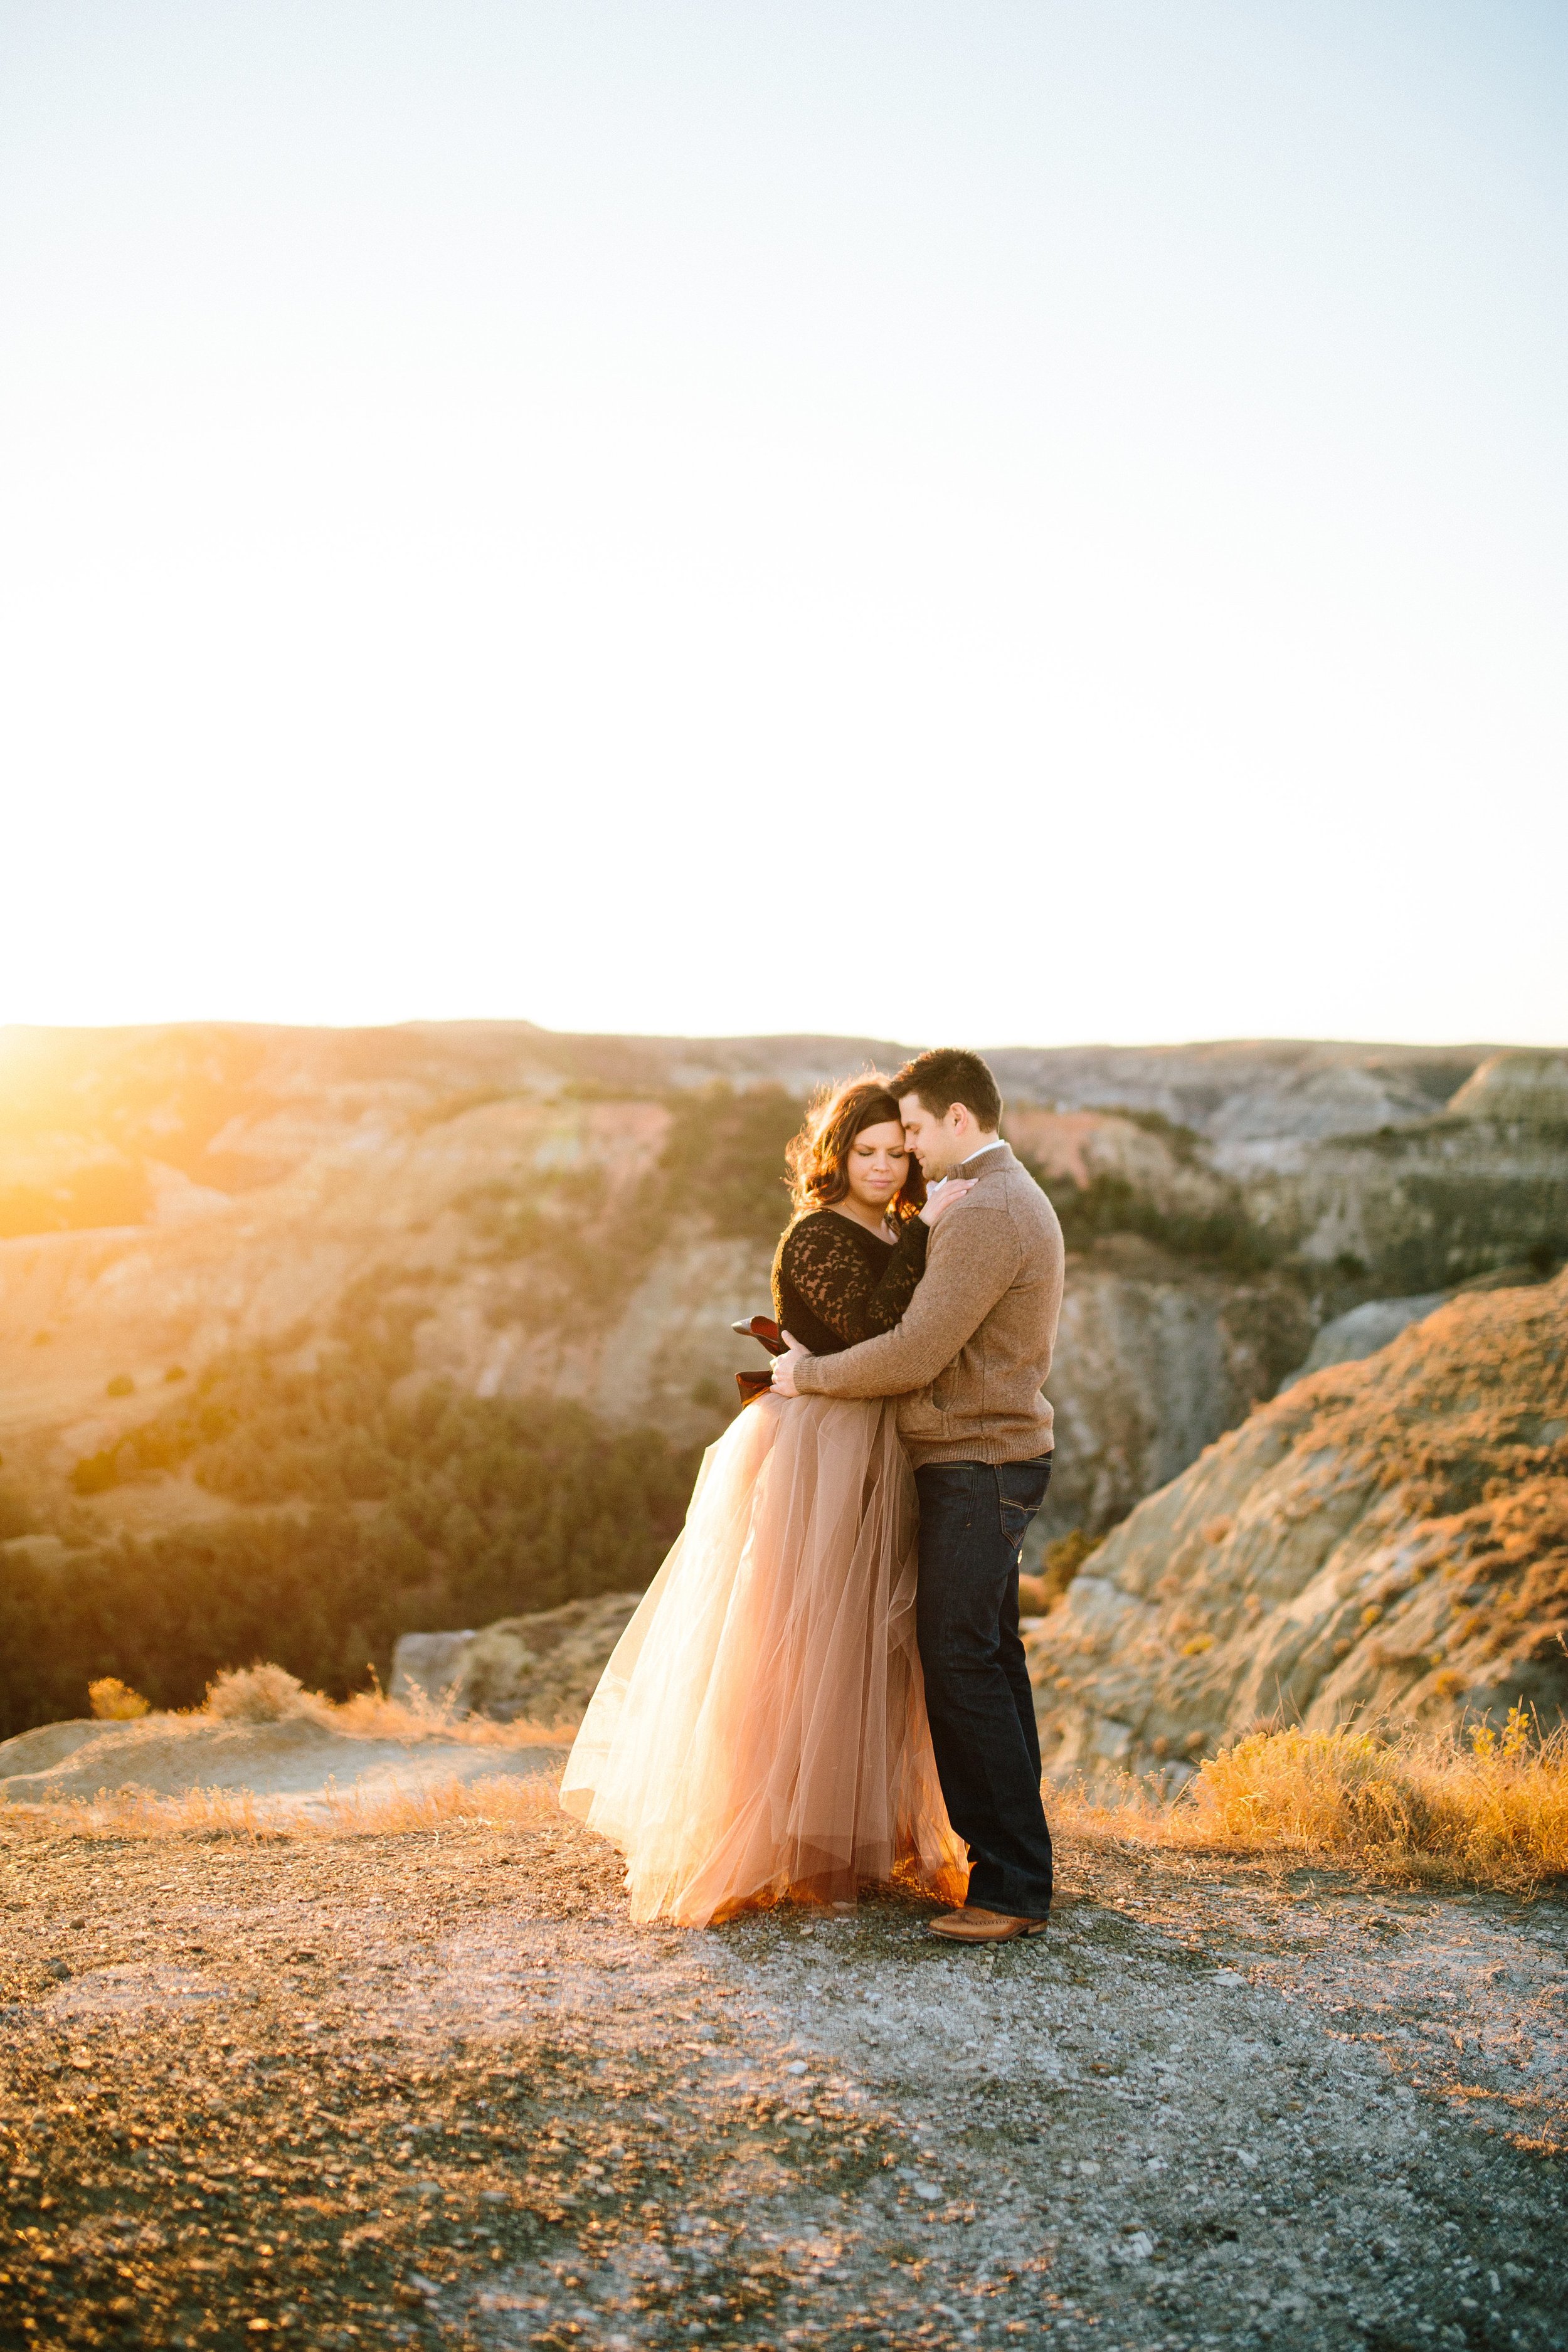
<point>1062,1562</point>
<point>112,1702</point>
<point>1490,1807</point>
<point>120,1385</point>
<point>1482,1807</point>
<point>1066,1556</point>
<point>258,1693</point>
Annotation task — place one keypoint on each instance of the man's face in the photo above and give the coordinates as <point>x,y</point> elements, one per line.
<point>939,1143</point>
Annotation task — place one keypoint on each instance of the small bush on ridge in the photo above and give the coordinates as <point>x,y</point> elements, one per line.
<point>112,1701</point>
<point>258,1693</point>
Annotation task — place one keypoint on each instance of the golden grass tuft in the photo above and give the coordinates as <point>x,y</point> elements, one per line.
<point>270,1693</point>
<point>504,1803</point>
<point>260,1694</point>
<point>1485,1809</point>
<point>112,1701</point>
<point>371,1715</point>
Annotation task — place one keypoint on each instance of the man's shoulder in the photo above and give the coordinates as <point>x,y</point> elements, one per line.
<point>1005,1177</point>
<point>1011,1191</point>
<point>981,1230</point>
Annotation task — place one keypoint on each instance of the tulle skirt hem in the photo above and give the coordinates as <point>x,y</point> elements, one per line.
<point>760,1735</point>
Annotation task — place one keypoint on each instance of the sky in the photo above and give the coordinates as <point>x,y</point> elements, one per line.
<point>1009,521</point>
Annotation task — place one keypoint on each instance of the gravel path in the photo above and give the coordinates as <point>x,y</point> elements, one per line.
<point>430,2090</point>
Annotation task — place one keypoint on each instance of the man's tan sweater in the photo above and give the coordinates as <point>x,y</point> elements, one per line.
<point>969,1356</point>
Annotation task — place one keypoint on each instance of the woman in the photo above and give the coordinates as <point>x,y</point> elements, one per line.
<point>760,1731</point>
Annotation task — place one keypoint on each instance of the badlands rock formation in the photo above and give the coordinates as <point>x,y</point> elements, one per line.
<point>1362,1331</point>
<point>1528,1086</point>
<point>536,1669</point>
<point>1389,1538</point>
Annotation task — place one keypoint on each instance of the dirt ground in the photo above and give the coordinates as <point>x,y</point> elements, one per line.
<point>435,2089</point>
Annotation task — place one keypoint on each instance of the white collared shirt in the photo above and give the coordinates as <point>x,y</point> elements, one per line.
<point>956,1177</point>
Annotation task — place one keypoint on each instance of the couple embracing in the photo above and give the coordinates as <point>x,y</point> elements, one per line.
<point>824,1682</point>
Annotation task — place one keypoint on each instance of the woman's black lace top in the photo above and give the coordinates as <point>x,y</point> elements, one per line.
<point>835,1282</point>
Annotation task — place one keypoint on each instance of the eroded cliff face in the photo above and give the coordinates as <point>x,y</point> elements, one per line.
<point>1417,1208</point>
<point>417,1206</point>
<point>1388,1539</point>
<point>1153,1361</point>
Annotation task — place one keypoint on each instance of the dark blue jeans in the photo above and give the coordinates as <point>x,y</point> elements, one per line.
<point>973,1515</point>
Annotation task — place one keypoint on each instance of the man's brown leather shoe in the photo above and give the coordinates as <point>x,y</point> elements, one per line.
<point>974,1926</point>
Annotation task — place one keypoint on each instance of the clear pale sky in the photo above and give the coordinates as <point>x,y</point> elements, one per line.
<point>1025,522</point>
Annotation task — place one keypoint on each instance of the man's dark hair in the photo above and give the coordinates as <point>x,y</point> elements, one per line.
<point>948,1074</point>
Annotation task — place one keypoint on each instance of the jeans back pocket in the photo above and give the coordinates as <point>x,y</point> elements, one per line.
<point>1020,1491</point>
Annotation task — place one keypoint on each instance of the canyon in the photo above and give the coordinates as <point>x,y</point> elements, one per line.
<point>528,1216</point>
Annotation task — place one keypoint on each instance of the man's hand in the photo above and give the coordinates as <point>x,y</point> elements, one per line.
<point>784,1367</point>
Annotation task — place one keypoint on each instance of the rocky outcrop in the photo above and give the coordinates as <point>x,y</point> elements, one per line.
<point>1532,1086</point>
<point>1241,1092</point>
<point>1350,1338</point>
<point>664,1353</point>
<point>1417,1208</point>
<point>1367,1330</point>
<point>1154,1361</point>
<point>1163,1165</point>
<point>540,1668</point>
<point>1388,1539</point>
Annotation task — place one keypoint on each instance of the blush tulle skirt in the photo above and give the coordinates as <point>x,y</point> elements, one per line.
<point>760,1732</point>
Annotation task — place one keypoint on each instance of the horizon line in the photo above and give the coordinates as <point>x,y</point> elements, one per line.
<point>755,1036</point>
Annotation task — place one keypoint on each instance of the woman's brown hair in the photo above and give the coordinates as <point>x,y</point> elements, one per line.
<point>817,1157</point>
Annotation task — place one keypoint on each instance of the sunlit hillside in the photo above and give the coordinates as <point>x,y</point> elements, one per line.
<point>1386,1541</point>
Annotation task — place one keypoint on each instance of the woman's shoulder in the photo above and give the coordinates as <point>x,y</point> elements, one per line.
<point>810,1230</point>
<point>823,1233</point>
<point>817,1234</point>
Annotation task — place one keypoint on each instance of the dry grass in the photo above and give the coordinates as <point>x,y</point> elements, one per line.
<point>112,1701</point>
<point>370,1714</point>
<point>1483,1809</point>
<point>270,1693</point>
<point>1486,1810</point>
<point>500,1803</point>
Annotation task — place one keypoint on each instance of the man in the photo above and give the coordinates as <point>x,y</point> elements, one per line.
<point>967,1362</point>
